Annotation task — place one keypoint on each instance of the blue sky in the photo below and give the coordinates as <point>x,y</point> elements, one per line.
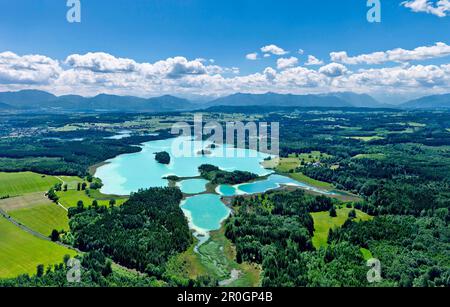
<point>147,31</point>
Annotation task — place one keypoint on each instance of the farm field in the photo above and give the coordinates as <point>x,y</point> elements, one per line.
<point>294,161</point>
<point>373,156</point>
<point>36,212</point>
<point>323,222</point>
<point>310,181</point>
<point>14,184</point>
<point>70,198</point>
<point>21,252</point>
<point>367,138</point>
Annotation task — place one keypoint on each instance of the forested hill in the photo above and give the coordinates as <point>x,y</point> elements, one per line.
<point>43,101</point>
<point>141,234</point>
<point>429,102</point>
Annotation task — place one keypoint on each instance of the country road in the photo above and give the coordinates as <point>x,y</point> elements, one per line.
<point>32,232</point>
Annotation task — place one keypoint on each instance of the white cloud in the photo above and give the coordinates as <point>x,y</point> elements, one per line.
<point>333,70</point>
<point>266,55</point>
<point>27,69</point>
<point>178,67</point>
<point>91,74</point>
<point>395,55</point>
<point>300,51</point>
<point>312,60</point>
<point>101,62</point>
<point>439,8</point>
<point>252,56</point>
<point>273,49</point>
<point>283,63</point>
<point>270,73</point>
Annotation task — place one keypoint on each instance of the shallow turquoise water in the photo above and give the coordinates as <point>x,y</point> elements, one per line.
<point>272,182</point>
<point>193,186</point>
<point>205,212</point>
<point>227,190</point>
<point>130,172</point>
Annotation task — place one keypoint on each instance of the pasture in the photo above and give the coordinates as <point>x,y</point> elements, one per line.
<point>21,252</point>
<point>36,212</point>
<point>14,184</point>
<point>70,198</point>
<point>323,222</point>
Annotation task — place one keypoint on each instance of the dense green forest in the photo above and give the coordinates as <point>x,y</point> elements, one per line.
<point>95,271</point>
<point>218,176</point>
<point>141,234</point>
<point>275,230</point>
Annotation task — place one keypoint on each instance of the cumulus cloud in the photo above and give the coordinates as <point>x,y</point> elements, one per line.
<point>333,70</point>
<point>178,67</point>
<point>101,62</point>
<point>283,63</point>
<point>439,8</point>
<point>270,73</point>
<point>273,49</point>
<point>412,77</point>
<point>312,60</point>
<point>95,73</point>
<point>395,55</point>
<point>27,69</point>
<point>252,56</point>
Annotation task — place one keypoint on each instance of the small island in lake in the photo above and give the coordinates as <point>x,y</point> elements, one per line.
<point>162,157</point>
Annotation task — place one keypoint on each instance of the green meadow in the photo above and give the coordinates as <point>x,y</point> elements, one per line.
<point>303,178</point>
<point>13,184</point>
<point>371,156</point>
<point>21,252</point>
<point>42,218</point>
<point>323,222</point>
<point>70,198</point>
<point>367,138</point>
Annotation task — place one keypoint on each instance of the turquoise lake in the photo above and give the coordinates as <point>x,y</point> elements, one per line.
<point>130,172</point>
<point>193,186</point>
<point>272,182</point>
<point>205,212</point>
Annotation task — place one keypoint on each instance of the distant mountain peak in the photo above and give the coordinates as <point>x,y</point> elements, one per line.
<point>429,102</point>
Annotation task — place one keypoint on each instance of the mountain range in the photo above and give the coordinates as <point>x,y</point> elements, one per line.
<point>43,101</point>
<point>429,102</point>
<point>39,100</point>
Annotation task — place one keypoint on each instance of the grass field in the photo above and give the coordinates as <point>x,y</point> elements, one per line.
<point>323,222</point>
<point>14,184</point>
<point>21,252</point>
<point>71,181</point>
<point>287,164</point>
<point>374,156</point>
<point>294,161</point>
<point>70,198</point>
<point>367,138</point>
<point>320,184</point>
<point>37,212</point>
